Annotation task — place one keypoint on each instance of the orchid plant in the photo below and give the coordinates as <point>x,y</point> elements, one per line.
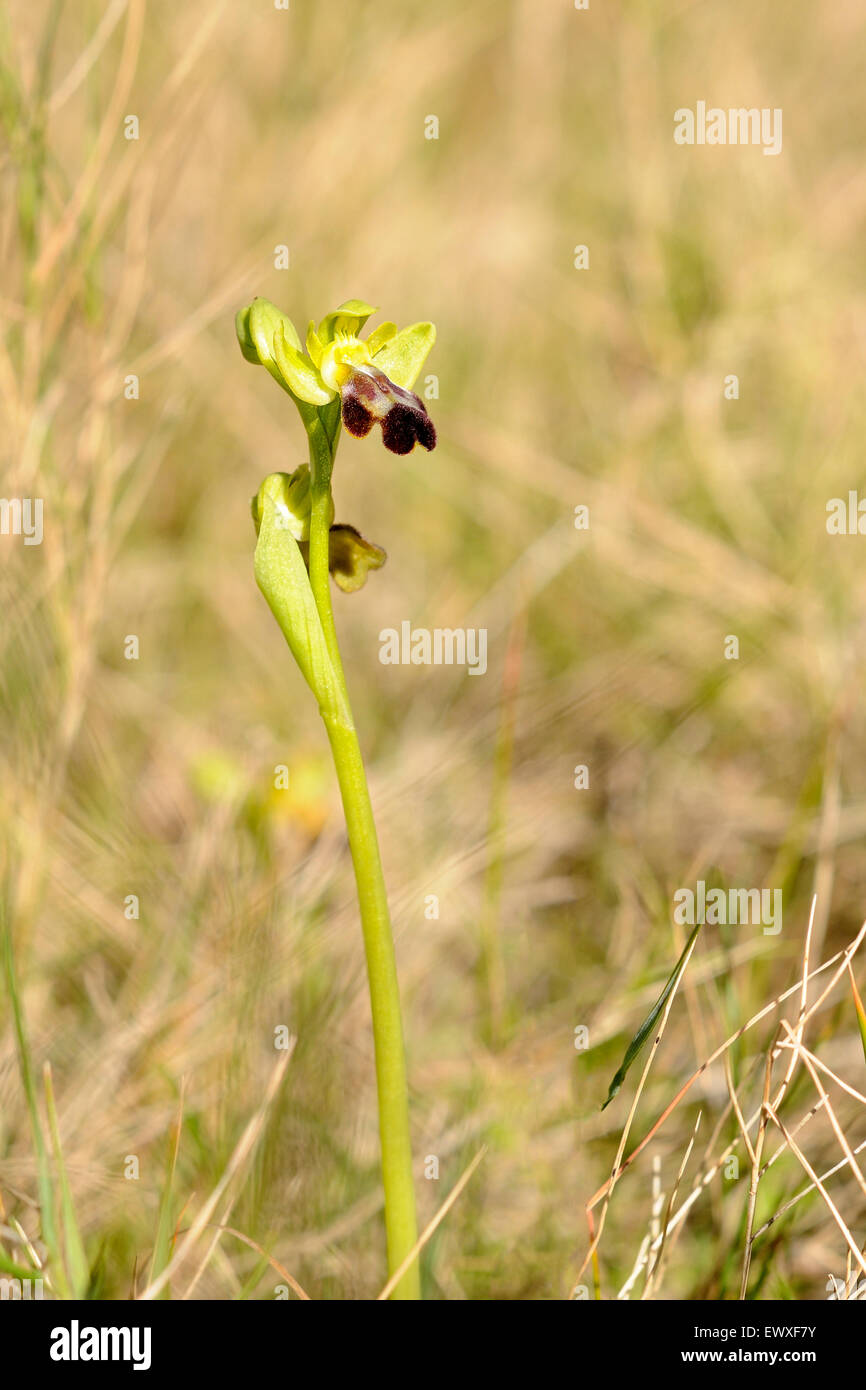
<point>340,380</point>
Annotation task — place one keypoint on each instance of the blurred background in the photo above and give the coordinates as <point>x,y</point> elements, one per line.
<point>523,907</point>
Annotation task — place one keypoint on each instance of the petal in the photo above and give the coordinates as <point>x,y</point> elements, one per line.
<point>404,427</point>
<point>299,373</point>
<point>340,358</point>
<point>245,337</point>
<point>350,317</point>
<point>357,417</point>
<point>380,336</point>
<point>402,358</point>
<point>351,557</point>
<point>370,398</point>
<point>264,321</point>
<point>315,347</point>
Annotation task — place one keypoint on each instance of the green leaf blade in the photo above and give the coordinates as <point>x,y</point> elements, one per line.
<point>643,1033</point>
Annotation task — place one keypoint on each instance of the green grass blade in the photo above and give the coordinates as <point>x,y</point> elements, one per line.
<point>8,1266</point>
<point>640,1038</point>
<point>165,1223</point>
<point>77,1268</point>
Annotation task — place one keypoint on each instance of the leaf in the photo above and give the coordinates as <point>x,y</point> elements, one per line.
<point>640,1038</point>
<point>17,1271</point>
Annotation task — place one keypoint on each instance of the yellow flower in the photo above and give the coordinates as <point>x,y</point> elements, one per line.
<point>370,377</point>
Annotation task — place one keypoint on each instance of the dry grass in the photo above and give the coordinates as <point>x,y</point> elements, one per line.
<point>557,388</point>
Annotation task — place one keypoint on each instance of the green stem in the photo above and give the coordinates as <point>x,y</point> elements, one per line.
<point>400,1220</point>
<point>321,467</point>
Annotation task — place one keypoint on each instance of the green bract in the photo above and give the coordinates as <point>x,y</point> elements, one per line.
<point>350,556</point>
<point>290,494</point>
<point>281,574</point>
